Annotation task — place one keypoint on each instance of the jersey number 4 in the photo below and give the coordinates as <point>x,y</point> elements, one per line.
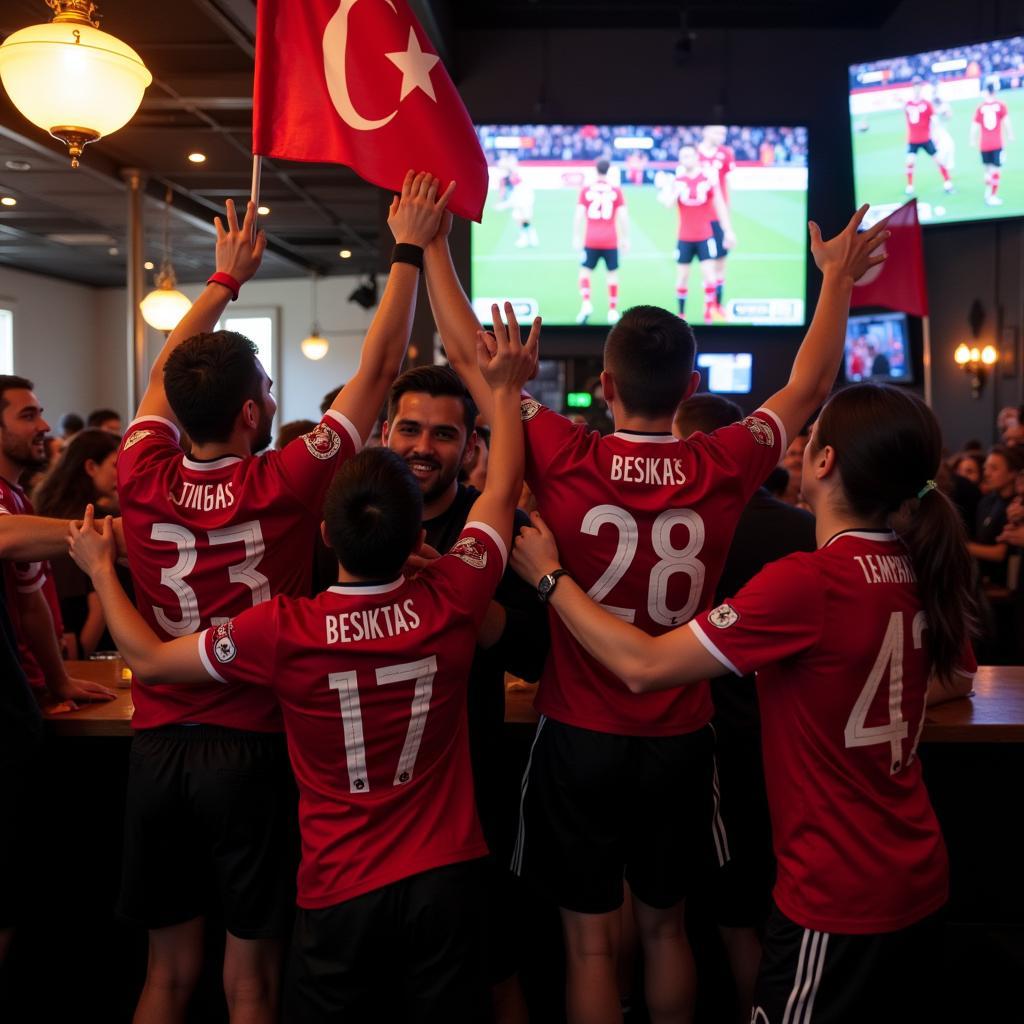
<point>858,733</point>
<point>672,560</point>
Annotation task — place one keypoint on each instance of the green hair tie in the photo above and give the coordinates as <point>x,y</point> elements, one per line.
<point>929,486</point>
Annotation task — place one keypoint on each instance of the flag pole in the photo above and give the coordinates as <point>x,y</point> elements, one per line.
<point>926,336</point>
<point>254,190</point>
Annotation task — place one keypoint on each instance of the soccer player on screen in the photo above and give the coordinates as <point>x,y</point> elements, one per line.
<point>518,197</point>
<point>600,230</point>
<point>990,120</point>
<point>717,160</point>
<point>699,201</point>
<point>919,113</point>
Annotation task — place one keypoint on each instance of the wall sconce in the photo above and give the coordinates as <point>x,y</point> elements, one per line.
<point>974,359</point>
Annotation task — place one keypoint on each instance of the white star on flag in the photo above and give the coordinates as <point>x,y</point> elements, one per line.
<point>415,66</point>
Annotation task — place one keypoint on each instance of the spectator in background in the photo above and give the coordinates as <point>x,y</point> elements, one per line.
<point>778,482</point>
<point>1013,534</point>
<point>105,419</point>
<point>329,399</point>
<point>475,473</point>
<point>70,424</point>
<point>999,483</point>
<point>292,430</point>
<point>793,463</point>
<point>960,478</point>
<point>968,465</point>
<point>87,474</point>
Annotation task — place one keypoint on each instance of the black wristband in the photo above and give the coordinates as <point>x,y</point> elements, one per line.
<point>405,252</point>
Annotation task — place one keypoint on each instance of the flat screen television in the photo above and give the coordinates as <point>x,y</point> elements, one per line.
<point>726,373</point>
<point>937,126</point>
<point>569,205</point>
<point>878,349</point>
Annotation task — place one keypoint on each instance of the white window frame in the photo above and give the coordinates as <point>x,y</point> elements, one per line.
<point>273,314</point>
<point>6,340</point>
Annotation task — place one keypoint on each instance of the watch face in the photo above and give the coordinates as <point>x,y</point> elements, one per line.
<point>546,583</point>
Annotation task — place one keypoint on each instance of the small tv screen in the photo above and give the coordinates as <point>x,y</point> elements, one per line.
<point>940,126</point>
<point>584,221</point>
<point>878,349</point>
<point>726,373</point>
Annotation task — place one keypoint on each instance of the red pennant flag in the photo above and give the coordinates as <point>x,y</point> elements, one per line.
<point>358,83</point>
<point>899,282</point>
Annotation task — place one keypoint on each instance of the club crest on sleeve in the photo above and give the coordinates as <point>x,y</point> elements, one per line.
<point>322,442</point>
<point>528,408</point>
<point>224,649</point>
<point>471,551</point>
<point>761,431</point>
<point>723,616</point>
<point>134,438</point>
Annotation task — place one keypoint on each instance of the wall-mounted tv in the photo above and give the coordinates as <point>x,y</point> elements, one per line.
<point>878,349</point>
<point>940,126</point>
<point>726,373</point>
<point>584,221</point>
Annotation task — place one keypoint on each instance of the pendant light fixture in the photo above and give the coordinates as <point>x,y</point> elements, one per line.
<point>316,345</point>
<point>164,306</point>
<point>70,79</point>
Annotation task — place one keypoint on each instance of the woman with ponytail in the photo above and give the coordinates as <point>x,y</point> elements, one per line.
<point>844,641</point>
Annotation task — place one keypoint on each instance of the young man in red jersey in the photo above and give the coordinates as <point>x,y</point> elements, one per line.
<point>619,787</point>
<point>600,231</point>
<point>697,197</point>
<point>717,160</point>
<point>372,678</point>
<point>990,120</point>
<point>209,535</point>
<point>919,113</point>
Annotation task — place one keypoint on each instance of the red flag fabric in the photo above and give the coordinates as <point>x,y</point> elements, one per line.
<point>899,282</point>
<point>358,83</point>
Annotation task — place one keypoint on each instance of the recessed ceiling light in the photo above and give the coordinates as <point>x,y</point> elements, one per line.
<point>345,253</point>
<point>148,265</point>
<point>17,165</point>
<point>9,201</point>
<point>197,158</point>
<point>263,210</point>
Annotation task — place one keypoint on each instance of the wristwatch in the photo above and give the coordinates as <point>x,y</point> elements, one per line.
<point>546,585</point>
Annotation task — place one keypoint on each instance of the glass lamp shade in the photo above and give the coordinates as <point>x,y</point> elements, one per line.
<point>72,80</point>
<point>314,347</point>
<point>164,307</point>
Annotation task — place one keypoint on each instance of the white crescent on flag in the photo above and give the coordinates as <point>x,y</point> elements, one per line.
<point>414,63</point>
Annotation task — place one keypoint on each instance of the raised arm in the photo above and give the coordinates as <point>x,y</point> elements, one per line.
<point>177,661</point>
<point>641,661</point>
<point>414,218</point>
<point>238,257</point>
<point>33,538</point>
<point>842,260</point>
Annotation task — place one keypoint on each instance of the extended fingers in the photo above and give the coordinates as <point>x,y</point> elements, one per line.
<point>858,217</point>
<point>407,185</point>
<point>250,216</point>
<point>513,323</point>
<point>442,202</point>
<point>231,215</point>
<point>500,334</point>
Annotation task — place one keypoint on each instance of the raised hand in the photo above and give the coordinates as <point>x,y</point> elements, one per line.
<point>504,360</point>
<point>535,553</point>
<point>92,550</point>
<point>851,253</point>
<point>237,253</point>
<point>415,215</point>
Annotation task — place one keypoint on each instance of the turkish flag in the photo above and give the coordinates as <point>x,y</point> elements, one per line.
<point>899,282</point>
<point>357,82</point>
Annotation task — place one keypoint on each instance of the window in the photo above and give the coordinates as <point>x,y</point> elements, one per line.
<point>260,326</point>
<point>6,341</point>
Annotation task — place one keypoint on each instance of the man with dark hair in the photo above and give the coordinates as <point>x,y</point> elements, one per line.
<point>209,535</point>
<point>704,414</point>
<point>619,787</point>
<point>105,419</point>
<point>431,425</point>
<point>372,677</point>
<point>600,232</point>
<point>70,424</point>
<point>329,398</point>
<point>291,430</point>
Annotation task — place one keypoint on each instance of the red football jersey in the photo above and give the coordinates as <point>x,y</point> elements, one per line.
<point>717,163</point>
<point>694,198</point>
<point>602,201</point>
<point>990,115</point>
<point>643,524</point>
<point>919,115</point>
<point>840,644</point>
<point>207,540</point>
<point>372,681</point>
<point>25,578</point>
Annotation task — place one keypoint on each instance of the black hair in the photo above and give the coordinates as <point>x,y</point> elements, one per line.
<point>436,381</point>
<point>71,423</point>
<point>602,165</point>
<point>888,446</point>
<point>208,379</point>
<point>11,382</point>
<point>329,398</point>
<point>289,431</point>
<point>68,488</point>
<point>373,513</point>
<point>705,413</point>
<point>650,353</point>
<point>100,416</point>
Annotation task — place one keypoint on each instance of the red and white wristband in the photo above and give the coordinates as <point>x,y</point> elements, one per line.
<point>226,281</point>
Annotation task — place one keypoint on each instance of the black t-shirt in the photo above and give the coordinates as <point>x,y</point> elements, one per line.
<point>21,723</point>
<point>990,521</point>
<point>521,651</point>
<point>767,530</point>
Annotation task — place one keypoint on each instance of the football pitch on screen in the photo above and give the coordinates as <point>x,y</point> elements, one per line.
<point>879,154</point>
<point>768,262</point>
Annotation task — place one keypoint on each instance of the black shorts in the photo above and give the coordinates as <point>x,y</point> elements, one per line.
<point>591,257</point>
<point>821,977</point>
<point>597,808</point>
<point>928,147</point>
<point>210,826</point>
<point>409,951</point>
<point>993,157</point>
<point>718,233</point>
<point>706,250</point>
<point>19,810</point>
